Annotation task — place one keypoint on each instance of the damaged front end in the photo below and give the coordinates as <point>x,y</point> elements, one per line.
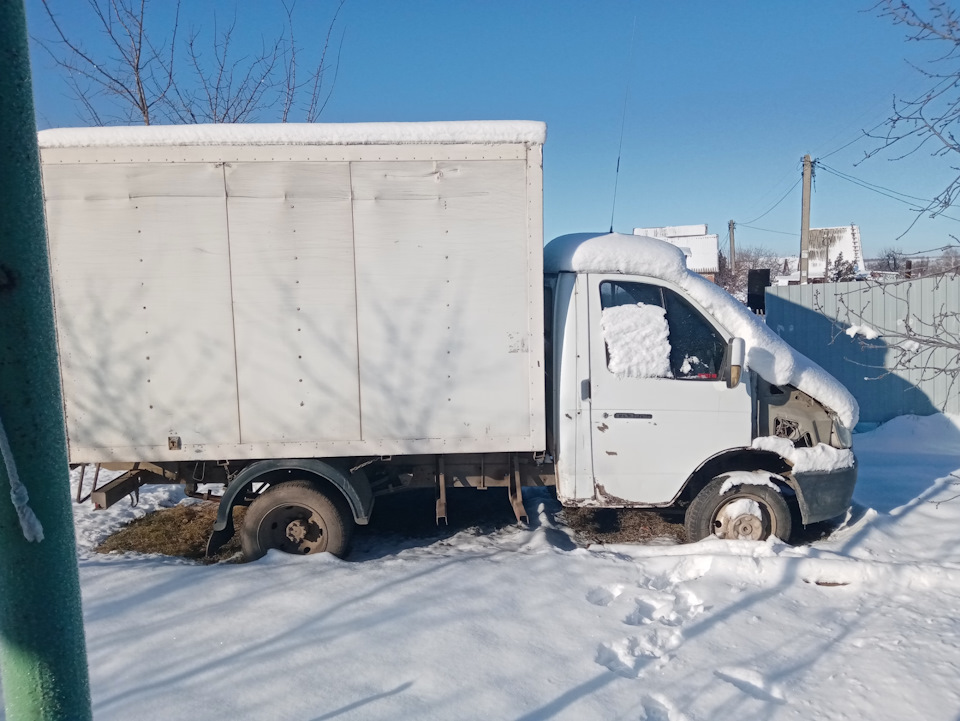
<point>814,443</point>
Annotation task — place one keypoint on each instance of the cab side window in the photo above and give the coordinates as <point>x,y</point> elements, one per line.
<point>695,348</point>
<point>613,294</point>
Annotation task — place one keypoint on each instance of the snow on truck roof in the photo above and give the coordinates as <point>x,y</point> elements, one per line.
<point>483,132</point>
<point>767,353</point>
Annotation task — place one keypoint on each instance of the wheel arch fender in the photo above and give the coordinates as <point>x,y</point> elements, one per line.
<point>354,486</point>
<point>734,459</point>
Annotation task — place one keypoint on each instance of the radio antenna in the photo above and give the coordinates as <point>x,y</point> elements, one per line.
<point>623,122</point>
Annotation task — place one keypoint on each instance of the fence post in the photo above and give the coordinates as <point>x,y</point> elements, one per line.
<point>43,663</point>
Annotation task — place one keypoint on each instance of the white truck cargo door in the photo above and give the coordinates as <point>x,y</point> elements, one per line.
<point>658,407</point>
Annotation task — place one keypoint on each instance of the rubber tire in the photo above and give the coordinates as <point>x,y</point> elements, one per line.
<point>701,513</point>
<point>337,521</point>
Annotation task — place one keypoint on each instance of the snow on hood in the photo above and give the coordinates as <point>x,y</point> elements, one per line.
<point>768,355</point>
<point>819,458</point>
<point>482,132</point>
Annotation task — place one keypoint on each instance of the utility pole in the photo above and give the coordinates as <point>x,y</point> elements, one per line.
<point>733,248</point>
<point>805,220</point>
<point>43,662</point>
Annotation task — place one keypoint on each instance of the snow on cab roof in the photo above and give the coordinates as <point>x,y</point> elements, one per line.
<point>483,132</point>
<point>772,358</point>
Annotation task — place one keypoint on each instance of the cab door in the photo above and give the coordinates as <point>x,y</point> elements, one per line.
<point>658,406</point>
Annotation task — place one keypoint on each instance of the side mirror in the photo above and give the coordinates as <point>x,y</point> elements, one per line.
<point>736,354</point>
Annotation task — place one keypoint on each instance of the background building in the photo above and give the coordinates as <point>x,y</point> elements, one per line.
<point>700,247</point>
<point>826,245</point>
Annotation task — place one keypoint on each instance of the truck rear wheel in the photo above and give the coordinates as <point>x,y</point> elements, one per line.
<point>296,517</point>
<point>746,512</point>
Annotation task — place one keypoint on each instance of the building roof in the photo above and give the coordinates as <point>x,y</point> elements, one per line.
<point>700,247</point>
<point>826,244</point>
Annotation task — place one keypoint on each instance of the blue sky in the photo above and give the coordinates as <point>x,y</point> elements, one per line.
<point>722,101</point>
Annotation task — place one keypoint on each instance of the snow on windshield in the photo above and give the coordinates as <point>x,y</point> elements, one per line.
<point>453,132</point>
<point>637,338</point>
<point>767,354</point>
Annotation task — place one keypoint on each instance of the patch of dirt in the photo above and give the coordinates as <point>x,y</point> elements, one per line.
<point>179,531</point>
<point>399,521</point>
<point>623,525</point>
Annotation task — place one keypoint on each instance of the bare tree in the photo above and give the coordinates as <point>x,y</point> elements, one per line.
<point>948,262</point>
<point>891,259</point>
<point>734,281</point>
<point>142,70</point>
<point>930,120</point>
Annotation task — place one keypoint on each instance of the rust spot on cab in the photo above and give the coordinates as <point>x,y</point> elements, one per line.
<point>607,499</point>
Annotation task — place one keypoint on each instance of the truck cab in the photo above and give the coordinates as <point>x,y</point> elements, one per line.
<point>666,392</point>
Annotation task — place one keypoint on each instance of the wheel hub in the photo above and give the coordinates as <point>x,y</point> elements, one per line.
<point>740,519</point>
<point>296,531</point>
<point>747,527</point>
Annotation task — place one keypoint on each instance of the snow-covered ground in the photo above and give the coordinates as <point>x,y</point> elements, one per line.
<point>524,624</point>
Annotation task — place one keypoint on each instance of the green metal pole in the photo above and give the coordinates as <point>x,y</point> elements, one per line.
<point>43,663</point>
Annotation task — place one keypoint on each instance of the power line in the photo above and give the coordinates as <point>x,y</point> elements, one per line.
<point>863,134</point>
<point>767,230</point>
<point>792,188</point>
<point>845,145</point>
<point>869,186</point>
<point>891,194</point>
<point>773,189</point>
<point>932,250</point>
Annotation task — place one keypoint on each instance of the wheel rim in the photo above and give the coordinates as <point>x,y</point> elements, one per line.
<point>744,517</point>
<point>293,529</point>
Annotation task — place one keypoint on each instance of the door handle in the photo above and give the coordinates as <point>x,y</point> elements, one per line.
<point>642,416</point>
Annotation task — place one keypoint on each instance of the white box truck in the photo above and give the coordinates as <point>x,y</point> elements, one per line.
<point>316,315</point>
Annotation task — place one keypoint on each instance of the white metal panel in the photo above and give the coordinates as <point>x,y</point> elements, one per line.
<point>280,153</point>
<point>492,306</point>
<point>445,334</point>
<point>571,369</point>
<point>291,246</point>
<point>141,280</point>
<point>534,275</point>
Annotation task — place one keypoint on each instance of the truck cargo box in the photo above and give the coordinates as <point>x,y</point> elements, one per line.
<point>282,291</point>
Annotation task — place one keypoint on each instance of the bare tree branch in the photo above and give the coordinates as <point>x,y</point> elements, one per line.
<point>143,73</point>
<point>930,120</point>
<point>928,346</point>
<point>315,108</point>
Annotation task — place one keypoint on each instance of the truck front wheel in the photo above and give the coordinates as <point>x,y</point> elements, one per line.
<point>296,517</point>
<point>746,512</point>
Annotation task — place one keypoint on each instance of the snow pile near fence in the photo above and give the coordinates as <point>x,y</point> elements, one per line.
<point>485,132</point>
<point>767,354</point>
<point>526,624</point>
